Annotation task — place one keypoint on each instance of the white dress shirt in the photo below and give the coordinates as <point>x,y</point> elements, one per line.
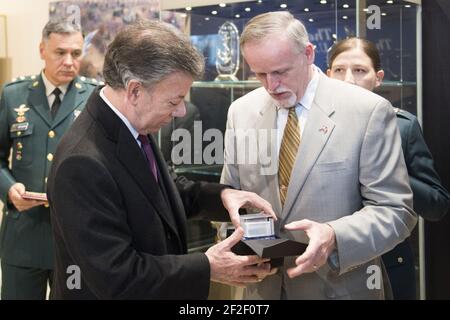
<point>49,87</point>
<point>133,131</point>
<point>301,108</point>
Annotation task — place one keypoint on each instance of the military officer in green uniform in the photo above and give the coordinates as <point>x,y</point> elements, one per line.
<point>34,114</point>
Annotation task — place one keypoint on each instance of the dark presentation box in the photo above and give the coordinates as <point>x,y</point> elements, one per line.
<point>274,249</point>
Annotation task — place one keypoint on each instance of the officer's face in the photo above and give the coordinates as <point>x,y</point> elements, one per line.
<point>355,66</point>
<point>156,107</point>
<point>62,56</point>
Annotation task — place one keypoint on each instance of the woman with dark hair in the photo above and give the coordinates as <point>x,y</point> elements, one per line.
<point>357,61</point>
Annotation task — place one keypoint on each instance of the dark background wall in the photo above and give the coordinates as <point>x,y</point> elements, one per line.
<point>436,124</point>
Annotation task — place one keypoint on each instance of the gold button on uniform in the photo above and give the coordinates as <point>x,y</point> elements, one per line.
<point>49,157</point>
<point>51,134</point>
<point>400,260</point>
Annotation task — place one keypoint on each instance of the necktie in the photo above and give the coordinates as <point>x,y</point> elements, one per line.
<point>288,153</point>
<point>148,151</point>
<point>56,103</point>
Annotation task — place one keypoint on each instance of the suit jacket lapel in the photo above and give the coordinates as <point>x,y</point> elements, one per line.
<point>71,101</point>
<point>172,195</point>
<point>134,161</point>
<point>267,147</point>
<point>131,156</point>
<point>318,130</point>
<point>38,100</point>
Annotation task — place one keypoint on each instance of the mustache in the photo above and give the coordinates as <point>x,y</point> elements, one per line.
<point>279,90</point>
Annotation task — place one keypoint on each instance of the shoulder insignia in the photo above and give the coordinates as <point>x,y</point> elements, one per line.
<point>77,85</point>
<point>20,79</point>
<point>396,110</point>
<point>91,81</point>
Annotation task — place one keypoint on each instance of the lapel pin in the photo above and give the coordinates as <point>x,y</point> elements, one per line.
<point>76,113</point>
<point>324,129</point>
<point>77,85</point>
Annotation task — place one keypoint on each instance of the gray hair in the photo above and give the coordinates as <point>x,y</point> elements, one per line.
<point>60,26</point>
<point>275,22</point>
<point>149,51</point>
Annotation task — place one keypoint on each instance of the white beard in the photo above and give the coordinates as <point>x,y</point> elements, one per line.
<point>286,103</point>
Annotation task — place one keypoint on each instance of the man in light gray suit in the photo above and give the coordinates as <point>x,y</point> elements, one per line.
<point>346,189</point>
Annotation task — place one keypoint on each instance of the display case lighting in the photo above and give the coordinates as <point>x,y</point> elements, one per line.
<point>214,12</point>
<point>222,5</point>
<point>323,1</point>
<point>345,6</point>
<point>384,14</point>
<point>344,17</point>
<point>247,9</point>
<point>407,6</point>
<point>188,8</point>
<point>390,1</point>
<point>306,9</point>
<point>237,15</point>
<point>283,5</point>
<point>311,20</point>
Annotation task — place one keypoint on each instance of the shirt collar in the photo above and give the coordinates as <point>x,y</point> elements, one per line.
<point>49,87</point>
<point>308,97</point>
<point>119,114</point>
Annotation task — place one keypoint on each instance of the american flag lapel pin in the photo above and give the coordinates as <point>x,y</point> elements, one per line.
<point>324,129</point>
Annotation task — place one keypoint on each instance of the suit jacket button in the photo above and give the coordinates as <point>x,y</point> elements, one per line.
<point>400,260</point>
<point>51,134</point>
<point>50,157</point>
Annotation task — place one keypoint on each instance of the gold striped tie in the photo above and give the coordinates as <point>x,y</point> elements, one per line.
<point>288,152</point>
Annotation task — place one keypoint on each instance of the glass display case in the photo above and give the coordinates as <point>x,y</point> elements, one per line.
<point>390,24</point>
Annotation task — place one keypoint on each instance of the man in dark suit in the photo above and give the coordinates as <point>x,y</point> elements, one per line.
<point>35,112</point>
<point>118,216</point>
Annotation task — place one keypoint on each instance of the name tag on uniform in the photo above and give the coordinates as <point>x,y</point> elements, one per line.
<point>22,126</point>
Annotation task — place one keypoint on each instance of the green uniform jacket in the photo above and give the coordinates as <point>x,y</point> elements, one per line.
<point>29,135</point>
<point>431,202</point>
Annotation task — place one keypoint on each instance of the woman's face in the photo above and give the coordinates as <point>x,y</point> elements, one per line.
<point>354,66</point>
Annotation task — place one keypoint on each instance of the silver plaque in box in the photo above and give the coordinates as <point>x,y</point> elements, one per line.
<point>258,226</point>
